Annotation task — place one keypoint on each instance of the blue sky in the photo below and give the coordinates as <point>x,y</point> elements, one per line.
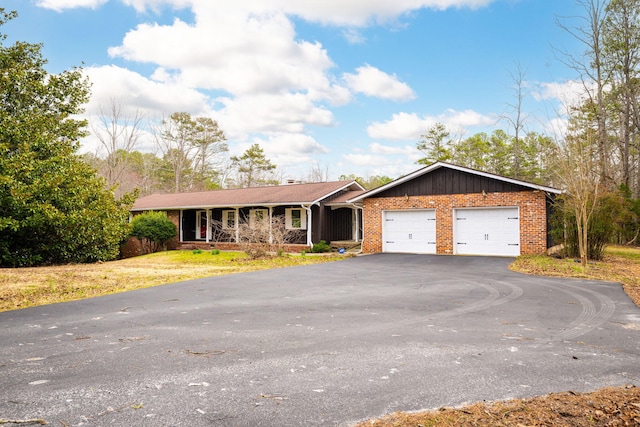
<point>345,87</point>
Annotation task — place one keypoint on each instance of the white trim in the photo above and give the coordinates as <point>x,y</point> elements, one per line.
<point>225,219</point>
<point>252,215</point>
<point>455,230</point>
<point>333,192</point>
<point>198,235</point>
<point>208,225</point>
<point>438,165</point>
<point>429,246</point>
<point>288,218</point>
<point>180,220</point>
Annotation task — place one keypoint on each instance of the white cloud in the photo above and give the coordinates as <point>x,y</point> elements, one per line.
<point>140,93</point>
<point>568,94</point>
<point>392,166</point>
<point>366,159</point>
<point>60,5</point>
<point>331,12</point>
<point>401,126</point>
<point>373,82</point>
<point>377,148</point>
<point>409,126</point>
<point>353,36</point>
<point>268,113</point>
<point>240,52</point>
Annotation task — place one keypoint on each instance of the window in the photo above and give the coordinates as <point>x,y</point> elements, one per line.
<point>258,216</point>
<point>228,219</point>
<point>295,219</point>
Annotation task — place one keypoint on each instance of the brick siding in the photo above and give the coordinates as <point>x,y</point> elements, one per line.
<point>533,217</point>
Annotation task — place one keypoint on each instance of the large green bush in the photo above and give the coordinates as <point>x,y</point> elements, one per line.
<point>53,207</point>
<point>153,230</point>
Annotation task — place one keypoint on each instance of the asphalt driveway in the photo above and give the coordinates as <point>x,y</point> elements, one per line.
<point>326,344</point>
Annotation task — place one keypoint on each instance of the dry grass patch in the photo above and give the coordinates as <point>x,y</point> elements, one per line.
<point>606,407</point>
<point>620,264</point>
<point>28,287</point>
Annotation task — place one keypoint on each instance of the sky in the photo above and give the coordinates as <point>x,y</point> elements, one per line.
<point>340,86</point>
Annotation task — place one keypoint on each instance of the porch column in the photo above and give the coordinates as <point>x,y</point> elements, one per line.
<point>270,224</point>
<point>356,221</point>
<point>208,236</point>
<point>309,226</point>
<point>180,221</point>
<point>237,225</point>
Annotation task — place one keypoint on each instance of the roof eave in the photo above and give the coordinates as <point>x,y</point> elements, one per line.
<point>438,165</point>
<point>337,190</point>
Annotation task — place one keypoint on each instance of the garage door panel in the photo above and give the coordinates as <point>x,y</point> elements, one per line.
<point>487,231</point>
<point>409,231</point>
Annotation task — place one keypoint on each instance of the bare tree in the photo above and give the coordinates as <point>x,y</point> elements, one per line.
<point>592,70</point>
<point>175,137</point>
<point>118,135</point>
<point>517,117</point>
<point>264,237</point>
<point>317,173</point>
<point>581,181</point>
<point>622,49</point>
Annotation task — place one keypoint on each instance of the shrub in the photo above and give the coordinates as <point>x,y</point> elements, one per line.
<point>321,246</point>
<point>215,252</point>
<point>265,237</point>
<point>605,221</point>
<point>153,230</point>
<point>197,251</point>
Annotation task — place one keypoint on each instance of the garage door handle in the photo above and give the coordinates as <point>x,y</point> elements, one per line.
<point>513,244</point>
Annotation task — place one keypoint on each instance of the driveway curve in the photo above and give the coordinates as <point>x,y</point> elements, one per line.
<point>320,345</point>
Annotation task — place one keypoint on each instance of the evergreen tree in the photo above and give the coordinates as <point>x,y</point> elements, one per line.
<point>53,207</point>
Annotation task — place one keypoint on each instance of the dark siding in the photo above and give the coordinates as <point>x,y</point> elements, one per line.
<point>188,225</point>
<point>448,181</point>
<point>316,221</point>
<point>338,224</point>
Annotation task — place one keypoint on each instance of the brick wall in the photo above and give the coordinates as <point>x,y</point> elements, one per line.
<point>174,216</point>
<point>533,219</point>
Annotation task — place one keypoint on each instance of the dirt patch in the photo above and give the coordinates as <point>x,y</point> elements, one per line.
<point>606,407</point>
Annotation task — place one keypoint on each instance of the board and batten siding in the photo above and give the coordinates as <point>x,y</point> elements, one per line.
<point>450,181</point>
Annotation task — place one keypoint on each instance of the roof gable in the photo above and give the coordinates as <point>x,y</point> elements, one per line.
<point>446,178</point>
<point>293,194</point>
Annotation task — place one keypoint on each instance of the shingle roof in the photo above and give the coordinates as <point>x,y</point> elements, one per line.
<point>347,195</point>
<point>254,196</point>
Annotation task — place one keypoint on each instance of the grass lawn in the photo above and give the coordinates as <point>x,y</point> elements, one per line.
<point>620,264</point>
<point>28,287</point>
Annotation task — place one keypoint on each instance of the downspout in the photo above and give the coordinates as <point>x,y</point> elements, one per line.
<point>309,224</point>
<point>361,240</point>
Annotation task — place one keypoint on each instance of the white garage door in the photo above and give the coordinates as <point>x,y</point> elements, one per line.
<point>409,231</point>
<point>487,231</point>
